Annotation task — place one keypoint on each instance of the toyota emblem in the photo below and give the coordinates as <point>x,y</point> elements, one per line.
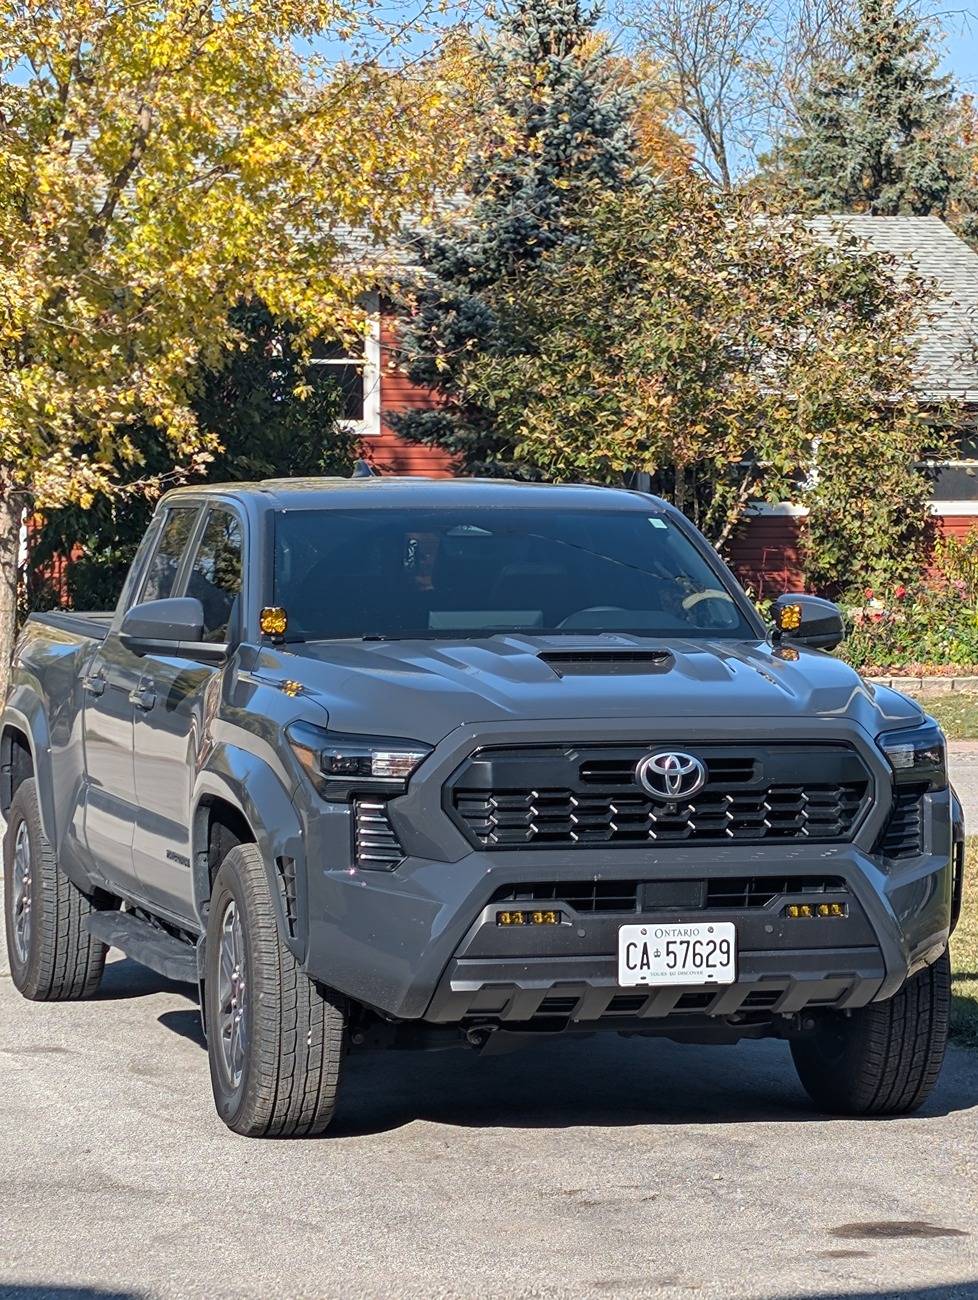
<point>671,776</point>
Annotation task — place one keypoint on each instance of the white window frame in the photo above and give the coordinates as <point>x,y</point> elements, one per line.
<point>369,426</point>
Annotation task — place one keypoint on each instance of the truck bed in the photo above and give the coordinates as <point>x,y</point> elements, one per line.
<point>93,624</point>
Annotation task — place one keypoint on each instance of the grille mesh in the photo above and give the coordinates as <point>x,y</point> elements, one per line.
<point>575,797</point>
<point>541,817</point>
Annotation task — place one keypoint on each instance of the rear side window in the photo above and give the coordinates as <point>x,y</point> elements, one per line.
<point>215,578</point>
<point>165,564</point>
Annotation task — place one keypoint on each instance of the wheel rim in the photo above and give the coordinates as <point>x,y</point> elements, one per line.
<point>232,1021</point>
<point>20,901</point>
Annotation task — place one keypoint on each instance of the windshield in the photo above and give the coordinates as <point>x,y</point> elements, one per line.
<point>474,573</point>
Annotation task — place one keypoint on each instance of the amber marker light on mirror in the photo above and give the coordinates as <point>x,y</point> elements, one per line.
<point>789,618</point>
<point>273,621</point>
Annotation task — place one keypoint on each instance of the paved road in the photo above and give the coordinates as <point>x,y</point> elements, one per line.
<point>963,765</point>
<point>591,1168</point>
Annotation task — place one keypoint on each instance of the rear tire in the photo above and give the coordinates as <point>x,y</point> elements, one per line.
<point>275,1040</point>
<point>52,957</point>
<point>884,1059</point>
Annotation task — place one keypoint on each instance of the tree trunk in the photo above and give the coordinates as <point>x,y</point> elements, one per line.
<point>11,512</point>
<point>679,491</point>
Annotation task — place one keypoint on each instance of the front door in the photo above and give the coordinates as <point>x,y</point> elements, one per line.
<point>178,696</point>
<point>110,694</point>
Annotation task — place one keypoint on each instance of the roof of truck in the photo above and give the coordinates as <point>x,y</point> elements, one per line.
<point>396,491</point>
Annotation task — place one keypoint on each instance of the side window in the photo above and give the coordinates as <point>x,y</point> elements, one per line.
<point>215,578</point>
<point>162,571</point>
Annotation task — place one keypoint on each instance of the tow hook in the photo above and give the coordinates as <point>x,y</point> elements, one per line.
<point>478,1036</point>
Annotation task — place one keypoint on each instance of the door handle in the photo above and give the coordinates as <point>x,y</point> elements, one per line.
<point>144,697</point>
<point>94,684</point>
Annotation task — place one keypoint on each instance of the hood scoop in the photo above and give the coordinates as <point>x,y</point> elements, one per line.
<point>606,663</point>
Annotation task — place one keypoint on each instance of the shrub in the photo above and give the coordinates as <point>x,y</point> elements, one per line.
<point>931,624</point>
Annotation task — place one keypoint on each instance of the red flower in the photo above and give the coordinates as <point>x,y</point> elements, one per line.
<point>900,591</point>
<point>868,593</point>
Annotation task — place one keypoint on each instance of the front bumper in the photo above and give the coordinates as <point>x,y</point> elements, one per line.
<point>420,942</point>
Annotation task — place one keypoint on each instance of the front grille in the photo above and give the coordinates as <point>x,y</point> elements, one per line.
<point>581,895</point>
<point>747,892</point>
<point>590,795</point>
<point>903,834</point>
<point>375,842</point>
<point>743,893</point>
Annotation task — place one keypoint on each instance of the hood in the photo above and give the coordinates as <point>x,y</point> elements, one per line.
<point>423,689</point>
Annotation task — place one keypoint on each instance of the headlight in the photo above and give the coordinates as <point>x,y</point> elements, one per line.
<point>917,757</point>
<point>337,763</point>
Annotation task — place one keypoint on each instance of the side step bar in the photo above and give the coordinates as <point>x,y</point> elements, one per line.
<point>161,952</point>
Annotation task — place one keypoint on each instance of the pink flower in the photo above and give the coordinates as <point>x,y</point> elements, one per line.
<point>868,593</point>
<point>900,591</point>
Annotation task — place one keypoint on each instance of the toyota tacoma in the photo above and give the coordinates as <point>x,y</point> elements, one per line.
<point>391,762</point>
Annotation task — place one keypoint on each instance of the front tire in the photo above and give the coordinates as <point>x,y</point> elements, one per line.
<point>883,1059</point>
<point>275,1040</point>
<point>52,956</point>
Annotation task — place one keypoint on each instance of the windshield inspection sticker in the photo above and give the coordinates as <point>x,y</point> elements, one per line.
<point>658,523</point>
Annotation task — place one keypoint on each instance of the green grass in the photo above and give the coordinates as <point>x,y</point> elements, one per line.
<point>957,712</point>
<point>964,958</point>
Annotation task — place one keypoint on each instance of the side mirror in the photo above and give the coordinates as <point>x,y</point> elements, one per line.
<point>808,621</point>
<point>162,625</point>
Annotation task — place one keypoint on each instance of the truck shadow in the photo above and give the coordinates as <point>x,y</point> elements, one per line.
<point>124,978</point>
<point>602,1081</point>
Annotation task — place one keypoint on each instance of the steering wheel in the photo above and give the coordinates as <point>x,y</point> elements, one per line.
<point>711,593</point>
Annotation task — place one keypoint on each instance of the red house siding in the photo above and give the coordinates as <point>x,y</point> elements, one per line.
<point>766,555</point>
<point>389,453</point>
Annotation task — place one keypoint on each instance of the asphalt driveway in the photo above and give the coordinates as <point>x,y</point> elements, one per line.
<point>598,1167</point>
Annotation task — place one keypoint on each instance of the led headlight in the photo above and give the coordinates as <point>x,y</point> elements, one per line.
<point>335,763</point>
<point>917,756</point>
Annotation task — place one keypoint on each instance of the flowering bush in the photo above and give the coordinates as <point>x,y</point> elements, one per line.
<point>923,628</point>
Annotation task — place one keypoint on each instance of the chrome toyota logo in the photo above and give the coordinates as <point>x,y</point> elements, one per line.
<point>671,776</point>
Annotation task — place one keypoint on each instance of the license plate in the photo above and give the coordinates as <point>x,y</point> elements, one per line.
<point>704,953</point>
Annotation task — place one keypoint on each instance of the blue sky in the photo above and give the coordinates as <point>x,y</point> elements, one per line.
<point>961,49</point>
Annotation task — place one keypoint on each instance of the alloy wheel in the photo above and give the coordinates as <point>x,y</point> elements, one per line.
<point>232,1021</point>
<point>21,893</point>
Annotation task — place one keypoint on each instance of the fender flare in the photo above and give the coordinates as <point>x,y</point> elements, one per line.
<point>248,784</point>
<point>25,713</point>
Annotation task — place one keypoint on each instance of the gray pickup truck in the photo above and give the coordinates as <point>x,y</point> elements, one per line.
<point>388,762</point>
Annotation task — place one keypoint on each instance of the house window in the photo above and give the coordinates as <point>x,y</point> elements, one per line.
<point>354,367</point>
<point>954,482</point>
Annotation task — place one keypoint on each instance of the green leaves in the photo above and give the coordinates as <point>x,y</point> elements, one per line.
<point>163,163</point>
<point>731,355</point>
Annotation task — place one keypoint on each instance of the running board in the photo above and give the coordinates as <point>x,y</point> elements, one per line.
<point>150,946</point>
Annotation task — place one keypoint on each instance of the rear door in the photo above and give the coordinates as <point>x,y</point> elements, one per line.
<point>179,694</point>
<point>110,692</point>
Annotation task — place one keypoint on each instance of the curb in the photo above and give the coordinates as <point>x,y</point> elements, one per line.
<point>928,685</point>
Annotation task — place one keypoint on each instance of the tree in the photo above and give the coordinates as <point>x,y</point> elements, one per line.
<point>161,164</point>
<point>732,356</point>
<point>249,402</point>
<point>557,124</point>
<point>880,131</point>
<point>734,69</point>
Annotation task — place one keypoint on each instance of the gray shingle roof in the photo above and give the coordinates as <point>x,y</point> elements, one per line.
<point>948,343</point>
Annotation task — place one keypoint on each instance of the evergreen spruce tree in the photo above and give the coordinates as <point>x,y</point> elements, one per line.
<point>880,131</point>
<point>559,129</point>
